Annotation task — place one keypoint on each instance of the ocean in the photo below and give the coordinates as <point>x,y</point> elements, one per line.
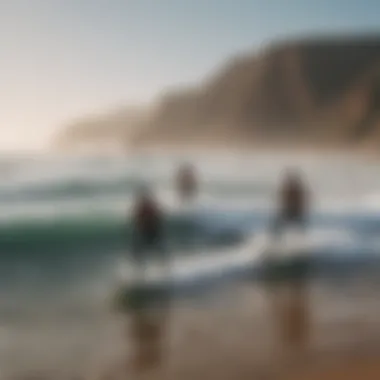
<point>64,234</point>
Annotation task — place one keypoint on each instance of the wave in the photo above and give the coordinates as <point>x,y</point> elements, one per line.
<point>75,188</point>
<point>84,188</point>
<point>108,228</point>
<point>104,233</point>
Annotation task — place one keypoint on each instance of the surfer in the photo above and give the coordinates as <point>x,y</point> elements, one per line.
<point>147,237</point>
<point>293,206</point>
<point>148,328</point>
<point>186,182</point>
<point>288,277</point>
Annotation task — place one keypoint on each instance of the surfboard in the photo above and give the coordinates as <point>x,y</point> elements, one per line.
<point>250,261</point>
<point>188,276</point>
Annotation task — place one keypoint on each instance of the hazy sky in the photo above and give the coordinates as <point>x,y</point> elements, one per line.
<point>60,59</point>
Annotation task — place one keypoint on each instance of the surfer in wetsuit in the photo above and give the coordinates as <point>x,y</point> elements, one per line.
<point>147,238</point>
<point>288,277</point>
<point>293,204</point>
<point>186,183</point>
<point>148,329</point>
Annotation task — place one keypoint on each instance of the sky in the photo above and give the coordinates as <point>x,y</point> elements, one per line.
<point>64,59</point>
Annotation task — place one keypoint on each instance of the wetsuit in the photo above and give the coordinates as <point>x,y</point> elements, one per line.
<point>293,207</point>
<point>147,239</point>
<point>292,213</point>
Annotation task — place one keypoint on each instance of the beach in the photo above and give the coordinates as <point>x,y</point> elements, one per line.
<point>64,241</point>
<point>237,336</point>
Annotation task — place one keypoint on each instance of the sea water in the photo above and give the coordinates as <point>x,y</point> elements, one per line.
<point>64,234</point>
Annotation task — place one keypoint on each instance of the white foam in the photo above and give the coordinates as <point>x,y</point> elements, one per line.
<point>201,263</point>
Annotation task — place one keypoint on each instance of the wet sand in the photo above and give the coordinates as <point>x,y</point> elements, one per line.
<point>238,336</point>
<point>347,368</point>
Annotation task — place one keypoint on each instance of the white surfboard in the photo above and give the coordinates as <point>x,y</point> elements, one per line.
<point>190,275</point>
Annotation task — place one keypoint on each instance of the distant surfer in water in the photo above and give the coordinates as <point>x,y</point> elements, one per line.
<point>148,234</point>
<point>186,182</point>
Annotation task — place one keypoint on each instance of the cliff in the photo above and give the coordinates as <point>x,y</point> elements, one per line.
<point>309,91</point>
<point>113,127</point>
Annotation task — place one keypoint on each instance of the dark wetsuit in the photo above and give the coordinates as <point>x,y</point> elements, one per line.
<point>293,212</point>
<point>147,239</point>
<point>293,207</point>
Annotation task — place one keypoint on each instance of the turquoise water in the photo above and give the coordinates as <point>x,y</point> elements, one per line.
<point>64,229</point>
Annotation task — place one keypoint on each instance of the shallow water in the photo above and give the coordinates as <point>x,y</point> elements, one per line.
<point>64,232</point>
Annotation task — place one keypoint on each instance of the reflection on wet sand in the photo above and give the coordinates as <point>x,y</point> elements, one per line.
<point>291,315</point>
<point>287,284</point>
<point>236,337</point>
<point>266,330</point>
<point>148,338</point>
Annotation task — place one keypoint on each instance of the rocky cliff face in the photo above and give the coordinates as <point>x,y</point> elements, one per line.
<point>306,91</point>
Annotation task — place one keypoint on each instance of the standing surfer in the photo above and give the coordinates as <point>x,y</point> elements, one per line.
<point>288,276</point>
<point>147,234</point>
<point>293,204</point>
<point>148,327</point>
